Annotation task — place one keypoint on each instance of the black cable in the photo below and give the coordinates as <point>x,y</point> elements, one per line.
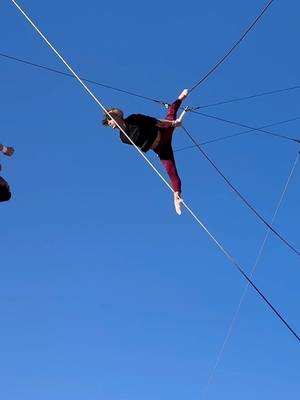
<point>267,301</point>
<point>246,126</point>
<point>141,96</point>
<point>248,97</point>
<point>241,196</point>
<point>83,79</point>
<point>236,134</point>
<point>233,47</point>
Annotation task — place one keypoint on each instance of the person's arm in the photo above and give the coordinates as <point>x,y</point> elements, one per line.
<point>164,123</point>
<point>8,151</point>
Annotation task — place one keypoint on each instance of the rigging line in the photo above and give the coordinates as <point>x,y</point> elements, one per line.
<point>241,196</point>
<point>236,313</point>
<point>236,134</point>
<point>83,79</point>
<point>235,263</point>
<point>139,95</point>
<point>247,97</point>
<point>246,126</point>
<point>233,47</point>
<point>185,205</point>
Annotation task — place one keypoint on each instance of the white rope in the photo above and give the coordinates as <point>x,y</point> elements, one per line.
<point>158,173</point>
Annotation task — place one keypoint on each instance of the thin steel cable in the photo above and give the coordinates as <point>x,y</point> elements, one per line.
<point>248,204</point>
<point>244,293</point>
<point>236,134</point>
<point>233,47</point>
<point>234,262</point>
<point>253,96</point>
<point>142,96</point>
<point>246,126</point>
<point>292,331</point>
<point>83,79</point>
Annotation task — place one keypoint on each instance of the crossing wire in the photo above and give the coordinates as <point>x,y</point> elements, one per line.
<point>248,204</point>
<point>236,99</point>
<point>246,126</point>
<point>236,134</point>
<point>244,293</point>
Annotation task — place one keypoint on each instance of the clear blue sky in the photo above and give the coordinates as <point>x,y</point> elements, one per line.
<point>105,292</point>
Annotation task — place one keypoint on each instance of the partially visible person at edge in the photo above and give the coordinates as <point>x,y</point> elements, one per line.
<point>149,133</point>
<point>5,193</point>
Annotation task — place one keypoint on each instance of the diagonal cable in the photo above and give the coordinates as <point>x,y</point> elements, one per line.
<point>236,134</point>
<point>241,196</point>
<point>253,96</point>
<point>238,308</point>
<point>44,67</point>
<point>233,47</point>
<point>246,126</point>
<point>83,79</point>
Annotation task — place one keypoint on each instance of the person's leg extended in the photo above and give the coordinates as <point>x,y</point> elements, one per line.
<point>172,110</point>
<point>165,153</point>
<point>166,156</point>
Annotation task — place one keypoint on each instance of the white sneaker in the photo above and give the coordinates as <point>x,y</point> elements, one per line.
<point>183,94</point>
<point>177,204</point>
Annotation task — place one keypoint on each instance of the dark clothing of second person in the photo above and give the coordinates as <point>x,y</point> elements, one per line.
<point>5,193</point>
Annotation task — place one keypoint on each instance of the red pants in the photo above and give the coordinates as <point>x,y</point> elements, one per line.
<point>164,149</point>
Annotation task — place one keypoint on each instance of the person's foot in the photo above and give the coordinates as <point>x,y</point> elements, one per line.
<point>177,202</point>
<point>183,94</point>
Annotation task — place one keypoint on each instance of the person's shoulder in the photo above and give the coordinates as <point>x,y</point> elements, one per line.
<point>135,117</point>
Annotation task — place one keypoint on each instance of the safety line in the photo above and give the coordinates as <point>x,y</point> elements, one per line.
<point>237,99</point>
<point>235,263</point>
<point>233,47</point>
<point>183,202</point>
<point>235,134</point>
<point>237,311</point>
<point>241,196</point>
<point>150,98</point>
<point>245,126</point>
<point>83,79</point>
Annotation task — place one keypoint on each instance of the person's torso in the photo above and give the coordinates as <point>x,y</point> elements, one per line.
<point>141,129</point>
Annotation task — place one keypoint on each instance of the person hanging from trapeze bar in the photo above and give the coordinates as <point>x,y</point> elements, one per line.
<point>5,193</point>
<point>149,133</point>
